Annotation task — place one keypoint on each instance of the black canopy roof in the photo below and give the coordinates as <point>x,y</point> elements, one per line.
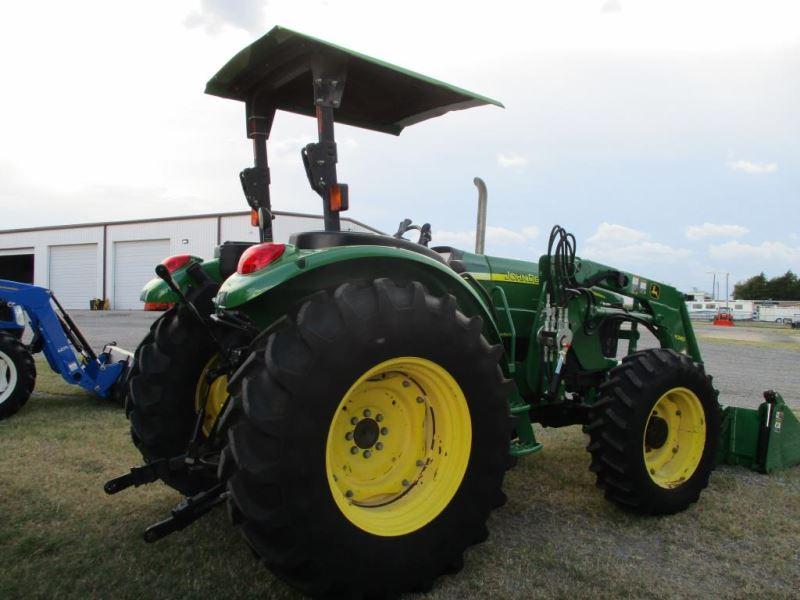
<point>275,71</point>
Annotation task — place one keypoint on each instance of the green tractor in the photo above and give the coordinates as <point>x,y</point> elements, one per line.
<point>356,399</point>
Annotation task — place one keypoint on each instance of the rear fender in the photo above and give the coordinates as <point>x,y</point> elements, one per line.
<point>157,291</point>
<point>267,295</point>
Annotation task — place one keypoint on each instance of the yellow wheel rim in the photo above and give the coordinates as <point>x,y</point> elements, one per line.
<point>674,438</point>
<point>213,392</point>
<point>398,446</point>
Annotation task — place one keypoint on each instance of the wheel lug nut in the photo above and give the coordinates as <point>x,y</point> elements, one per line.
<point>379,417</point>
<point>384,430</point>
<point>406,383</point>
<point>354,420</point>
<point>379,446</point>
<point>367,412</point>
<point>349,493</point>
<point>354,450</point>
<point>405,483</point>
<point>420,399</point>
<point>348,435</point>
<point>367,453</point>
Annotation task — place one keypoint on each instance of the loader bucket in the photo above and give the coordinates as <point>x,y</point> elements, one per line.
<point>765,439</point>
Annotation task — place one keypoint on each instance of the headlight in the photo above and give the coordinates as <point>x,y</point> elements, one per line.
<point>19,315</point>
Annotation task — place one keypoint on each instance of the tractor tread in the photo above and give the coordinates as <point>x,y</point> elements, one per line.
<point>266,470</point>
<point>159,404</point>
<point>616,430</point>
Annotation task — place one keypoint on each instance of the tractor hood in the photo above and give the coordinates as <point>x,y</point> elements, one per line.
<point>275,71</point>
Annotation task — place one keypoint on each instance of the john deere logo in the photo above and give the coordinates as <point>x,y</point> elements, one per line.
<point>655,291</point>
<point>522,278</point>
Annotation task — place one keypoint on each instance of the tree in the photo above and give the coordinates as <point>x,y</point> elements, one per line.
<point>754,288</point>
<point>758,287</point>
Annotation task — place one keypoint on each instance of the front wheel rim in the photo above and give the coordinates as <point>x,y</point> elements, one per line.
<point>674,438</point>
<point>398,446</point>
<point>8,377</point>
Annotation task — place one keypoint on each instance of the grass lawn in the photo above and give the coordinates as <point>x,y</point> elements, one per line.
<point>60,535</point>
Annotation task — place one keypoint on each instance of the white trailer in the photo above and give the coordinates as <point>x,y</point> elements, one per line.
<point>706,310</point>
<point>778,314</point>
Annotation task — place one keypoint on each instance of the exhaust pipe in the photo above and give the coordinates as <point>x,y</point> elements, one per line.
<point>480,231</point>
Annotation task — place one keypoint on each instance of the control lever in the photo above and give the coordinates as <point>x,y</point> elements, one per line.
<point>164,274</point>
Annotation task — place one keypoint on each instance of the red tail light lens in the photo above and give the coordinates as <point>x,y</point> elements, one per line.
<point>173,263</point>
<point>259,256</point>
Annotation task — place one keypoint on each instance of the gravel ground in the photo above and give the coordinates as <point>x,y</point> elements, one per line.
<point>126,327</point>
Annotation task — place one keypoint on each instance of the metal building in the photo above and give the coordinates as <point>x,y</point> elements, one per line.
<point>114,260</point>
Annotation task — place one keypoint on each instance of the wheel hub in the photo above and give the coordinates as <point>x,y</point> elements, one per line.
<point>366,433</point>
<point>656,435</point>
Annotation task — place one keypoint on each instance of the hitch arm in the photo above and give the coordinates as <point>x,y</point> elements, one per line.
<point>187,512</point>
<point>146,474</point>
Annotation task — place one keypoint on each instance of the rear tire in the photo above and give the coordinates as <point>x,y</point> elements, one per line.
<point>653,432</point>
<point>161,390</point>
<point>17,375</point>
<point>284,465</point>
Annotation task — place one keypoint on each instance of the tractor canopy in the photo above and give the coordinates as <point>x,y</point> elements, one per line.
<point>275,73</point>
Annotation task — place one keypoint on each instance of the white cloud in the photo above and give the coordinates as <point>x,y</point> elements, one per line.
<point>214,15</point>
<point>608,233</point>
<point>640,253</point>
<point>752,168</point>
<point>531,232</point>
<point>511,160</point>
<point>611,6</point>
<point>624,246</point>
<point>734,250</point>
<point>501,236</point>
<point>696,232</point>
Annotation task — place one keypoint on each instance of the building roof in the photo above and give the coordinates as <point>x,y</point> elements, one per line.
<point>277,213</point>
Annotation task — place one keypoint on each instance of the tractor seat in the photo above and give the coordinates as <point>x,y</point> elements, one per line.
<point>312,240</point>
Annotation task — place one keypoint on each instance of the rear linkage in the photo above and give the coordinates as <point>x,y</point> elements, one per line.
<point>191,508</point>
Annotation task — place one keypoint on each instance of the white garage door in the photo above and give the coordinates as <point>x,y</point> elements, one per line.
<point>72,274</point>
<point>134,264</point>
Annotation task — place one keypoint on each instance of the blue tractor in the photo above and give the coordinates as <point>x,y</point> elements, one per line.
<point>56,336</point>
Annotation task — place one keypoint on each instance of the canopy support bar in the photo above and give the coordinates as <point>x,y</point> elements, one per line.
<point>255,180</point>
<point>320,158</point>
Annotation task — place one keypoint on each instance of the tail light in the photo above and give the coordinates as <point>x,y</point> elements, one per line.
<point>259,256</point>
<point>173,263</point>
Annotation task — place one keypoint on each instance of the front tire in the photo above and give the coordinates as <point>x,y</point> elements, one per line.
<point>17,375</point>
<point>368,441</point>
<point>653,432</point>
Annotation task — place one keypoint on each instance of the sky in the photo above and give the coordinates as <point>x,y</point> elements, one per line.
<point>665,135</point>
